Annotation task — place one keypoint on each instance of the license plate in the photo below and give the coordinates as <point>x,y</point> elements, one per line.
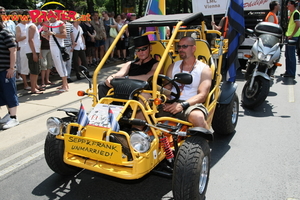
<point>99,116</point>
<point>94,149</point>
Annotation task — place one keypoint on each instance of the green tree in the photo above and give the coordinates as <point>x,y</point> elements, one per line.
<point>15,4</point>
<point>178,6</point>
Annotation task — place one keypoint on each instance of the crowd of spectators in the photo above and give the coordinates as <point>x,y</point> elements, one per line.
<point>38,53</point>
<point>94,41</point>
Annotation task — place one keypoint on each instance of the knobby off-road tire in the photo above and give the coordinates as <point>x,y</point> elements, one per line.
<point>191,170</point>
<point>226,117</point>
<point>259,93</point>
<point>54,151</point>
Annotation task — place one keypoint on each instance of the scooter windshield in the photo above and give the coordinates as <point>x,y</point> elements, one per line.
<point>269,40</point>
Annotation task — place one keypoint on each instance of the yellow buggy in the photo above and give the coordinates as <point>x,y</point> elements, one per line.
<point>167,146</point>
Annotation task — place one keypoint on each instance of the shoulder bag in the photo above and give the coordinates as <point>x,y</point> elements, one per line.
<point>113,31</point>
<point>64,54</point>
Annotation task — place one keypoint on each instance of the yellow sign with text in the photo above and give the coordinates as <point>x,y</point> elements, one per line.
<point>94,149</point>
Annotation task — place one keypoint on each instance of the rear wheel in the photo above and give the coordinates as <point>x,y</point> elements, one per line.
<point>54,152</point>
<point>191,170</point>
<point>254,97</point>
<point>226,117</point>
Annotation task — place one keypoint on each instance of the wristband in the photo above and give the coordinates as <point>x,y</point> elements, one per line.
<point>185,105</point>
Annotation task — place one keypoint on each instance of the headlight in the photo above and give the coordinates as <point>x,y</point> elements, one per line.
<point>260,56</point>
<point>267,58</point>
<point>263,57</point>
<point>54,125</point>
<point>140,141</point>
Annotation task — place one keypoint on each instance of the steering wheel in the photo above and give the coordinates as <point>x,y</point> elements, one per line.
<point>163,78</point>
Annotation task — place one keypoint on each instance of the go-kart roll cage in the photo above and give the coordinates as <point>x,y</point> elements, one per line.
<point>177,21</point>
<point>122,160</point>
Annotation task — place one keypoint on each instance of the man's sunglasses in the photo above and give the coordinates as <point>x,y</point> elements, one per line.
<point>183,46</point>
<point>141,49</point>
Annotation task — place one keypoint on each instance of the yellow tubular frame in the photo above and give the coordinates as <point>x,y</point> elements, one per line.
<point>142,163</point>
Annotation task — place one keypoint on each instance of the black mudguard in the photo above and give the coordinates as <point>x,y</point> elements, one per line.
<point>203,132</point>
<point>69,111</point>
<point>227,92</point>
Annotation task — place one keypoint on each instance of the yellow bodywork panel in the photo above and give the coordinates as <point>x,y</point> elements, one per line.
<point>93,148</point>
<point>94,132</point>
<point>107,158</point>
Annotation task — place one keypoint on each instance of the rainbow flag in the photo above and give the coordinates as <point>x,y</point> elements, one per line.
<point>156,7</point>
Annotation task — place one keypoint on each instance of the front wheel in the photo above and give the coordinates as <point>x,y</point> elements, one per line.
<point>191,170</point>
<point>226,117</point>
<point>54,155</point>
<point>254,97</point>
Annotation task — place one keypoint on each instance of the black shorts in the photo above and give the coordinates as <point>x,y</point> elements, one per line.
<point>89,51</point>
<point>34,67</point>
<point>121,45</point>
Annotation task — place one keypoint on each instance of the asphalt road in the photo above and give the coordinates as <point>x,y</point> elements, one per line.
<point>261,160</point>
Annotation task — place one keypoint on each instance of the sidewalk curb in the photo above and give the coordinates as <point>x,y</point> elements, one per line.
<point>56,79</point>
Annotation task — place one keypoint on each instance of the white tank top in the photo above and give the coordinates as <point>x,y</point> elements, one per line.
<point>23,29</point>
<point>36,40</point>
<point>56,30</point>
<point>189,90</point>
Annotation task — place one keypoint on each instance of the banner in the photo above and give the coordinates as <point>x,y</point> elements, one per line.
<point>251,5</point>
<point>214,7</point>
<point>209,7</point>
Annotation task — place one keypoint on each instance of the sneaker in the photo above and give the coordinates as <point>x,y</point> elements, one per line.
<point>19,79</point>
<point>5,119</point>
<point>11,123</point>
